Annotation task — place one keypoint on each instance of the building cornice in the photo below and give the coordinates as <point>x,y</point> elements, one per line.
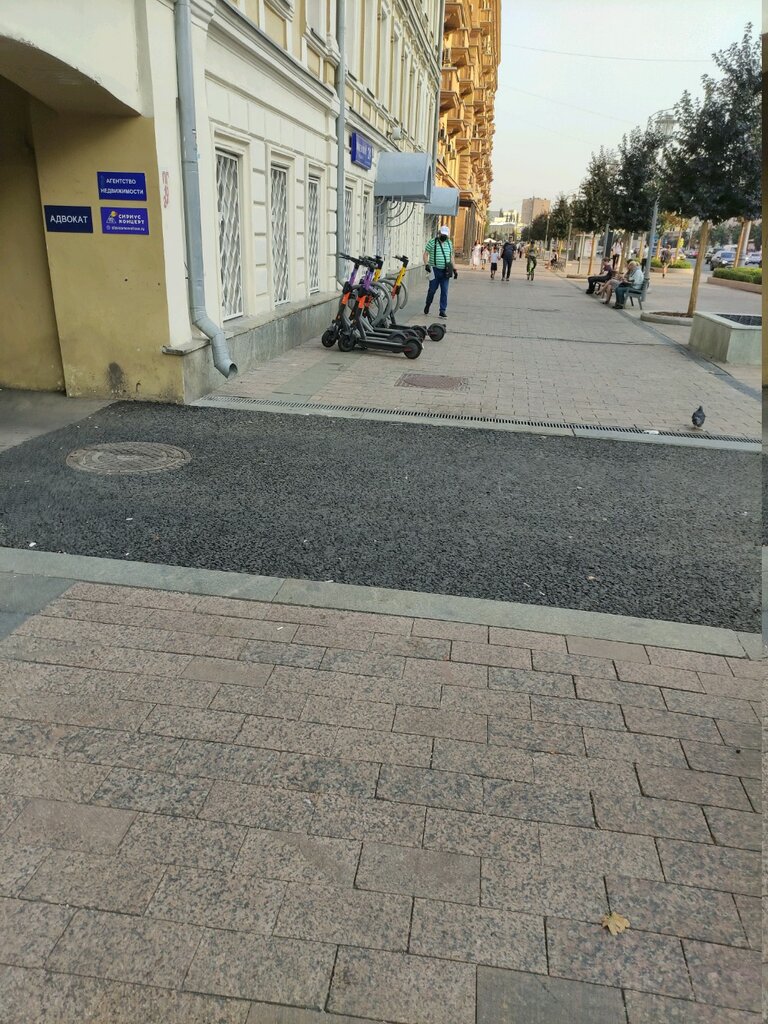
<point>234,30</point>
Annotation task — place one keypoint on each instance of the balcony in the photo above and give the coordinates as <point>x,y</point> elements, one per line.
<point>450,101</point>
<point>466,84</point>
<point>454,15</point>
<point>455,125</point>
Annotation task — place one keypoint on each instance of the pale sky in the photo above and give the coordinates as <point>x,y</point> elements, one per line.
<point>543,147</point>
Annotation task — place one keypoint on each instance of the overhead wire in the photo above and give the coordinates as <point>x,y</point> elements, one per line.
<point>603,56</point>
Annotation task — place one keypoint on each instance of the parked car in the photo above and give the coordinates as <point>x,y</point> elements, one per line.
<point>722,258</point>
<point>754,259</point>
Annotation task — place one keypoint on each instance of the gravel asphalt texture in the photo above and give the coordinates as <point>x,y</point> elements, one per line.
<point>649,530</point>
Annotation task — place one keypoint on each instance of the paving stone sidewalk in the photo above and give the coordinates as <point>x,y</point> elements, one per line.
<point>216,811</point>
<point>543,351</point>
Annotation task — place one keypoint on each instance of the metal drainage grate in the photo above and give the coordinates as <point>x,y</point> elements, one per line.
<point>432,380</point>
<point>125,457</point>
<point>450,417</point>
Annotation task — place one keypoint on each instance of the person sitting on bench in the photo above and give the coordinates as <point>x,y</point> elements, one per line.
<point>633,283</point>
<point>605,275</point>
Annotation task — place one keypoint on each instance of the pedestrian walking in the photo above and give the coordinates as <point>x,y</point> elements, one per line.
<point>666,259</point>
<point>507,258</point>
<point>530,264</point>
<point>476,250</point>
<point>615,253</point>
<point>494,258</point>
<point>438,260</point>
<point>484,254</point>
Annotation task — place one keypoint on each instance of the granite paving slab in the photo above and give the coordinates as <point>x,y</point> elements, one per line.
<point>428,990</point>
<point>513,996</point>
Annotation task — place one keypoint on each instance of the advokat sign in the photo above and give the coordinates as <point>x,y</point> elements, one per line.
<point>73,219</point>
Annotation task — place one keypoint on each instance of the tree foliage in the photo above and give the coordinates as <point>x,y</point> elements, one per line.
<point>594,204</point>
<point>537,229</point>
<point>711,168</point>
<point>637,179</point>
<point>560,218</point>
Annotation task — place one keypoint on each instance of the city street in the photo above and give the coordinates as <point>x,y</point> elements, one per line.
<point>543,351</point>
<point>409,684</point>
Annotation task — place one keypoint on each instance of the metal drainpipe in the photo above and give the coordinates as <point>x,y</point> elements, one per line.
<point>190,176</point>
<point>341,131</point>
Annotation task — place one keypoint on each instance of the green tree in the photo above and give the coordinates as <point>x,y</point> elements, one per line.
<point>560,218</point>
<point>712,165</point>
<point>537,230</point>
<point>593,207</point>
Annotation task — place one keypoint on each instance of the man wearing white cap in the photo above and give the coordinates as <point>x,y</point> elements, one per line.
<point>438,259</point>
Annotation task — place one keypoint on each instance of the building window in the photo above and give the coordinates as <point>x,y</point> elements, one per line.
<point>348,196</point>
<point>279,224</point>
<point>365,219</point>
<point>384,56</point>
<point>313,233</point>
<point>230,262</point>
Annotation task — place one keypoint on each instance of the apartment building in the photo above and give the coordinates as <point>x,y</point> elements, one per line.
<point>533,208</point>
<point>96,207</point>
<point>471,55</point>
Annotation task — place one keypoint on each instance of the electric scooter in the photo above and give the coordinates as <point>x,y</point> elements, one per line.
<point>435,332</point>
<point>331,335</point>
<point>355,331</point>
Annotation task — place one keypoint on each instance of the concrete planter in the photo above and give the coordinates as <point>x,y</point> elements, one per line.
<point>728,337</point>
<point>743,286</point>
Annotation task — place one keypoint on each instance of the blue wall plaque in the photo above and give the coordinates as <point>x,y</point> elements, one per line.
<point>76,219</point>
<point>362,150</point>
<point>130,185</point>
<point>117,220</point>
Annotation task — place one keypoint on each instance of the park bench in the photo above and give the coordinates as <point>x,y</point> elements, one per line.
<point>638,293</point>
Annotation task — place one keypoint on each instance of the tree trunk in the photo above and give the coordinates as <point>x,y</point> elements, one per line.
<point>703,236</point>
<point>658,246</point>
<point>624,251</point>
<point>679,241</point>
<point>741,248</point>
<point>591,254</point>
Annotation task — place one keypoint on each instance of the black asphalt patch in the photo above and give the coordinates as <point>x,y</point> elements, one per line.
<point>652,531</point>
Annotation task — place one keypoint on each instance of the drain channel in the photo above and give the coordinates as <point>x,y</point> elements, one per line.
<point>448,417</point>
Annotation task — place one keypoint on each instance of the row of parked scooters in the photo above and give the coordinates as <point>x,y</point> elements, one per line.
<point>366,314</point>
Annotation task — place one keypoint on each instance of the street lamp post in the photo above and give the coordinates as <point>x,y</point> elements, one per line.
<point>665,122</point>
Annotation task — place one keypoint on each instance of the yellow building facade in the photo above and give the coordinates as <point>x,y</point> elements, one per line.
<point>471,55</point>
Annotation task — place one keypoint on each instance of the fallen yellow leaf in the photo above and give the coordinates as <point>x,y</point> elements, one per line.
<point>615,923</point>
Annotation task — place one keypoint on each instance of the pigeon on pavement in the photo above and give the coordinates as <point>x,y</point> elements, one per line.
<point>698,418</point>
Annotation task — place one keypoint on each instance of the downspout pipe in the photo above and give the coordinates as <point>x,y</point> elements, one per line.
<point>190,177</point>
<point>341,133</point>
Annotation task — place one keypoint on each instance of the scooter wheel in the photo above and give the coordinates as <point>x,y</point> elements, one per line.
<point>436,332</point>
<point>412,349</point>
<point>346,343</point>
<point>329,338</point>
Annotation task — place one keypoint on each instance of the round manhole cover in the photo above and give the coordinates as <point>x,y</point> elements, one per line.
<point>124,457</point>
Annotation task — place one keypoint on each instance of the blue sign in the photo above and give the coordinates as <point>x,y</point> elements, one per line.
<point>122,185</point>
<point>362,150</point>
<point>117,220</point>
<point>76,219</point>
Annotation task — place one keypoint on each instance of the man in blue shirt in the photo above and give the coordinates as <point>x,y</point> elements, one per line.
<point>438,258</point>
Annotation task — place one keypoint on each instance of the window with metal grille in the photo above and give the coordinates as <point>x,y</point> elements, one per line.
<point>348,195</point>
<point>228,191</point>
<point>279,223</point>
<point>313,233</point>
<point>364,226</point>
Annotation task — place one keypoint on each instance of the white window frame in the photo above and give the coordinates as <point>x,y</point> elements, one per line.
<point>280,161</point>
<point>315,176</point>
<point>228,151</point>
<point>349,221</point>
<point>385,52</point>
